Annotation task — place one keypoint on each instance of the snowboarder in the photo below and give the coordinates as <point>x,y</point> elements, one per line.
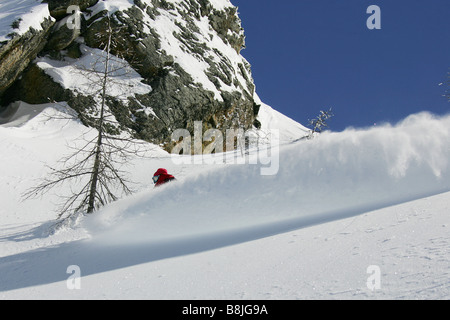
<point>161,177</point>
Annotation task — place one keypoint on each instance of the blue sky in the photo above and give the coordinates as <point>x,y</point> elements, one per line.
<point>310,55</point>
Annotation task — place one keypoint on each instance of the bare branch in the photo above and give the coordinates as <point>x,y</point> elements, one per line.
<point>93,169</point>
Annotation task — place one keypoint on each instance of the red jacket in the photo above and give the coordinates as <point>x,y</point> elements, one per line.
<point>164,177</point>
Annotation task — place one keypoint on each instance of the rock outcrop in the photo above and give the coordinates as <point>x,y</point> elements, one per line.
<point>187,51</point>
<point>59,8</point>
<point>19,50</point>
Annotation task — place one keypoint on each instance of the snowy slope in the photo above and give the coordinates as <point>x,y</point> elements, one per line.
<point>337,205</point>
<point>273,120</point>
<point>409,243</point>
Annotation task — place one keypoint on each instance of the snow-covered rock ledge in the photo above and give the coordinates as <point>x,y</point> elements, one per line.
<point>24,27</point>
<point>187,51</point>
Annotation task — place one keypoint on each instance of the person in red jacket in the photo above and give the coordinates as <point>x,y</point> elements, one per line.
<point>161,177</point>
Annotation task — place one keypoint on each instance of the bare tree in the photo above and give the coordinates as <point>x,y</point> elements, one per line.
<point>320,122</point>
<point>93,170</point>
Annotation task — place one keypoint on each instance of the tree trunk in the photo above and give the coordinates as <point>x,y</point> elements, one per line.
<point>96,168</point>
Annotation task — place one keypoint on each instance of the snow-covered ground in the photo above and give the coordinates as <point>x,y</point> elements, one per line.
<point>359,214</point>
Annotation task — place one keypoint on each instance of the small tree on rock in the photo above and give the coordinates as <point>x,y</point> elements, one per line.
<point>319,123</point>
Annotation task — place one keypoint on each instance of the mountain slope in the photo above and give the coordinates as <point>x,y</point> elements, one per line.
<point>409,243</point>
<point>226,231</point>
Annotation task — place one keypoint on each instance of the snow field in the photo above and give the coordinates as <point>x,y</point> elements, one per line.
<point>338,204</point>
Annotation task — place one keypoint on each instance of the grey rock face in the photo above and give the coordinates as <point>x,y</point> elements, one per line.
<point>17,53</point>
<point>188,52</point>
<point>58,8</point>
<point>63,35</point>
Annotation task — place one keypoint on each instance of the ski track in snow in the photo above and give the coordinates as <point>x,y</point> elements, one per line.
<point>338,204</point>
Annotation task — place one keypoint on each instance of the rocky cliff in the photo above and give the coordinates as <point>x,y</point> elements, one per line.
<point>21,41</point>
<point>185,54</point>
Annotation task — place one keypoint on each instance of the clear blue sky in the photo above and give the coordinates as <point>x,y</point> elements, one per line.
<point>310,55</point>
